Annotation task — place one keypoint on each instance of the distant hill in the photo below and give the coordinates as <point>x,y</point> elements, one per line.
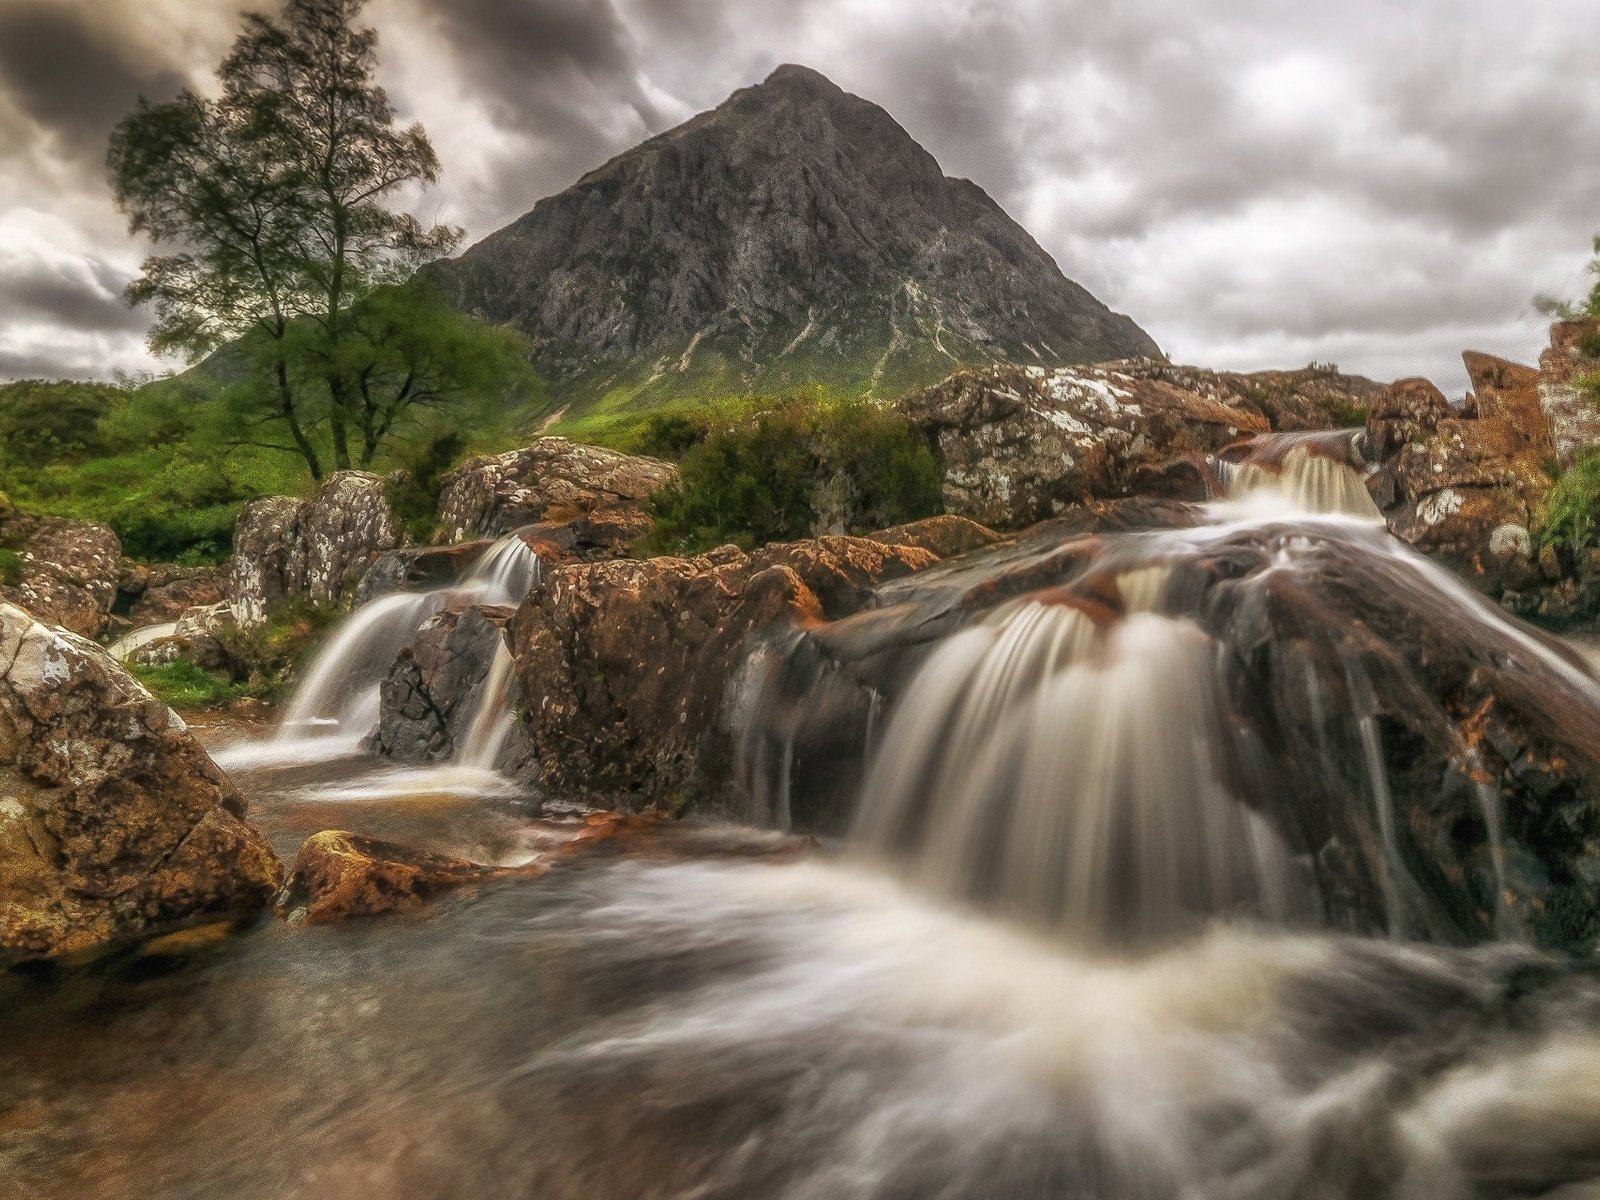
<point>794,234</point>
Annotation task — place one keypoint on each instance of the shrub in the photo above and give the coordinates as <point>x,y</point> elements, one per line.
<point>265,657</point>
<point>10,567</point>
<point>1574,505</point>
<point>777,469</point>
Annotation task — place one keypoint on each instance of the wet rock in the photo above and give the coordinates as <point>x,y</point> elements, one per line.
<point>1570,410</point>
<point>625,667</point>
<point>64,572</point>
<point>113,820</point>
<point>1448,479</point>
<point>942,536</point>
<point>317,548</point>
<point>432,693</point>
<point>338,875</point>
<point>553,481</point>
<point>1018,445</point>
<point>1347,687</point>
<point>418,569</point>
<point>170,591</point>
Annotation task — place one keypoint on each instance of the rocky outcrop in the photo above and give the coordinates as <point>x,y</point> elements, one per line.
<point>64,572</point>
<point>942,536</point>
<point>1449,479</point>
<point>1018,445</point>
<point>1314,397</point>
<point>555,482</point>
<point>431,695</point>
<point>625,667</point>
<point>1571,410</point>
<point>170,591</point>
<point>338,875</point>
<point>317,548</point>
<point>113,821</point>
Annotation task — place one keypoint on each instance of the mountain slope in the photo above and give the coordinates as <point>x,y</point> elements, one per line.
<point>794,234</point>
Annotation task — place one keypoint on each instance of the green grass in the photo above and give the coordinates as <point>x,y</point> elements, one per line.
<point>183,685</point>
<point>10,567</point>
<point>1572,511</point>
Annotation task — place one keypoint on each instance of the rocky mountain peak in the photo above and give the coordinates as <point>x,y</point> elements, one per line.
<point>795,234</point>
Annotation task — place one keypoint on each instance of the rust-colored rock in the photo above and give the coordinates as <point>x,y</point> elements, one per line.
<point>419,569</point>
<point>943,536</point>
<point>1406,413</point>
<point>338,875</point>
<point>1312,397</point>
<point>170,591</point>
<point>625,667</point>
<point>113,820</point>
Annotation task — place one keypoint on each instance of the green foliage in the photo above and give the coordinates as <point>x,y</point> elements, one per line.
<point>43,422</point>
<point>1574,506</point>
<point>10,567</point>
<point>771,469</point>
<point>414,492</point>
<point>183,685</point>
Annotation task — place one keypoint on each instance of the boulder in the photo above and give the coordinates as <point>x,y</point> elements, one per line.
<point>170,591</point>
<point>553,481</point>
<point>432,692</point>
<point>626,667</point>
<point>318,548</point>
<point>62,571</point>
<point>338,875</point>
<point>1020,444</point>
<point>114,823</point>
<point>1406,413</point>
<point>1571,410</point>
<point>418,569</point>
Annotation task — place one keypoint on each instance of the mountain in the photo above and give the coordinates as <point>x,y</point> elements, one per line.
<point>794,234</point>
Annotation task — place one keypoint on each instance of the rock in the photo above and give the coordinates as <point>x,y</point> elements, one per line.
<point>338,875</point>
<point>317,548</point>
<point>170,591</point>
<point>1406,413</point>
<point>626,666</point>
<point>552,481</point>
<point>1314,397</point>
<point>113,821</point>
<point>1018,445</point>
<point>431,694</point>
<point>64,572</point>
<point>1511,541</point>
<point>942,536</point>
<point>1570,410</point>
<point>418,569</point>
<point>1449,479</point>
<point>1327,667</point>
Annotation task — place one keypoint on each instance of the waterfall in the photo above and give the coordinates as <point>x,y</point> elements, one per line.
<point>1164,727</point>
<point>336,708</point>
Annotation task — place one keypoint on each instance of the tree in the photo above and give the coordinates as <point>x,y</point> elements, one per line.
<point>274,201</point>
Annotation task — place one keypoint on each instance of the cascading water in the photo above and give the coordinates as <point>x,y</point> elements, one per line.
<point>335,710</point>
<point>1181,729</point>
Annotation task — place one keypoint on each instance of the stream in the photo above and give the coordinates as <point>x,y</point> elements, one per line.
<point>893,1015</point>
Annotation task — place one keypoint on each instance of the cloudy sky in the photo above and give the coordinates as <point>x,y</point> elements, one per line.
<point>1257,182</point>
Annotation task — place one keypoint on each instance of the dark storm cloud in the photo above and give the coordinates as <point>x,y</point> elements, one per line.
<point>71,77</point>
<point>82,295</point>
<point>1256,183</point>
